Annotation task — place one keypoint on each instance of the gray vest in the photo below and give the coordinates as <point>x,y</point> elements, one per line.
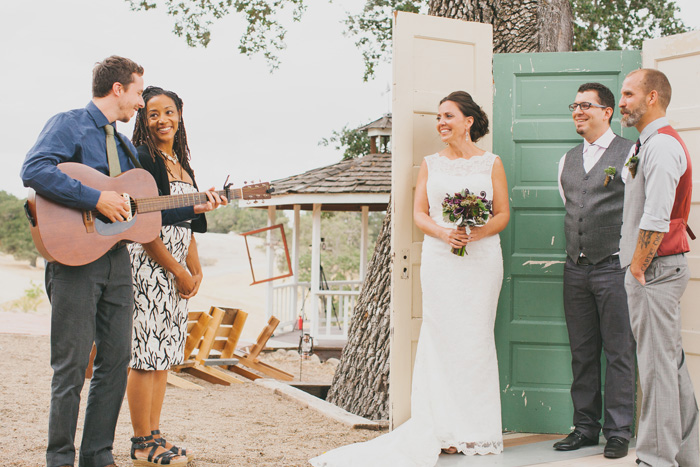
<point>593,211</point>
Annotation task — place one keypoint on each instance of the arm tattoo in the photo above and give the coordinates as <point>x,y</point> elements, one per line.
<point>647,244</point>
<point>647,261</point>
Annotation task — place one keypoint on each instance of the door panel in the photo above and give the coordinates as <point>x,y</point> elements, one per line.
<point>431,57</point>
<point>532,130</point>
<point>679,58</point>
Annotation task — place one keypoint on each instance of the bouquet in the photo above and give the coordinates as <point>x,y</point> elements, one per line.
<point>466,209</point>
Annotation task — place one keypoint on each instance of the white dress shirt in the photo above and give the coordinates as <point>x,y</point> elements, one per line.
<point>592,152</point>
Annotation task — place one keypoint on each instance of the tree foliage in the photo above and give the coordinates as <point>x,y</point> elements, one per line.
<point>265,29</point>
<point>340,252</point>
<point>598,25</point>
<point>15,237</point>
<point>372,27</point>
<point>355,142</point>
<point>623,24</point>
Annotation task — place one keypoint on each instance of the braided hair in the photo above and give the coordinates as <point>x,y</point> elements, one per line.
<point>142,135</point>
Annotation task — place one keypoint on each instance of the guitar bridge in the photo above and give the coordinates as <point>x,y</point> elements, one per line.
<point>89,221</point>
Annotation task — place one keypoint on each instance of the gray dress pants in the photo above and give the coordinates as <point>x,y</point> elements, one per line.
<point>90,303</point>
<point>668,427</point>
<point>595,306</point>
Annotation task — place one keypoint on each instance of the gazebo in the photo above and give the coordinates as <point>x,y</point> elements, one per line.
<point>361,185</point>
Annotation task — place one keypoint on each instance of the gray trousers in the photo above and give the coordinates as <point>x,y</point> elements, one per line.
<point>90,303</point>
<point>595,306</point>
<point>668,428</point>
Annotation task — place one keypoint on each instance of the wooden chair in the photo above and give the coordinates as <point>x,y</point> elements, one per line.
<point>203,331</point>
<point>251,358</point>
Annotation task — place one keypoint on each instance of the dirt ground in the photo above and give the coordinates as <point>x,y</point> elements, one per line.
<point>238,425</point>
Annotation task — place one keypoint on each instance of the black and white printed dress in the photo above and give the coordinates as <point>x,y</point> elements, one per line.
<point>160,314</point>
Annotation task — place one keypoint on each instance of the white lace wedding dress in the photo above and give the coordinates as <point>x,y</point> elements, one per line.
<point>455,398</point>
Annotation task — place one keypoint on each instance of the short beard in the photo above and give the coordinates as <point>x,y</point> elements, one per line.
<point>631,119</point>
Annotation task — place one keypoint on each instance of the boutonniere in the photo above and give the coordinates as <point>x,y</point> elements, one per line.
<point>632,165</point>
<point>609,175</point>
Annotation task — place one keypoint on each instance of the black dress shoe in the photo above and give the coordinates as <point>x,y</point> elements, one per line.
<point>616,447</point>
<point>575,440</point>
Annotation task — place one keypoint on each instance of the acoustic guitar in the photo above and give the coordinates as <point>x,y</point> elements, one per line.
<point>75,237</point>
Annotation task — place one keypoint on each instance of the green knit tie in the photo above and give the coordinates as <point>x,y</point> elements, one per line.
<point>112,155</point>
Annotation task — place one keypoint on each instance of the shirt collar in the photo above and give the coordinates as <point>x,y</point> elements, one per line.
<point>652,128</point>
<point>96,114</point>
<point>604,140</point>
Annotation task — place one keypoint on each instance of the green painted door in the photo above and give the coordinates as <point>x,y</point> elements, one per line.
<point>532,129</point>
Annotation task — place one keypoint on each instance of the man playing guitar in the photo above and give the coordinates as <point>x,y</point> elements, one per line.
<point>92,302</point>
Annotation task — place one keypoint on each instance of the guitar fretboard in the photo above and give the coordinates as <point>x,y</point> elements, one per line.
<point>159,203</point>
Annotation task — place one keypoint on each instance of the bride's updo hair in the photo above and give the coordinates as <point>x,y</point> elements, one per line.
<point>469,108</point>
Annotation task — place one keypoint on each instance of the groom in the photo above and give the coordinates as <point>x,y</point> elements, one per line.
<point>592,185</point>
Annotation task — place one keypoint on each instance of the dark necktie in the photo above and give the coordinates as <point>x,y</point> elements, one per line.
<point>112,155</point>
<point>637,145</point>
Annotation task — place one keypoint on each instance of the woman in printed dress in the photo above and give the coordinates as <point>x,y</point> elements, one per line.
<point>166,273</point>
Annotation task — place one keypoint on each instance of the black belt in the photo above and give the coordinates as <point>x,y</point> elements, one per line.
<point>583,261</point>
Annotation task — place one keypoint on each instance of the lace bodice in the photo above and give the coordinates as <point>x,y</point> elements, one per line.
<point>453,175</point>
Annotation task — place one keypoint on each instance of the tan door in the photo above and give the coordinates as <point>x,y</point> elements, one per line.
<point>432,57</point>
<point>679,58</point>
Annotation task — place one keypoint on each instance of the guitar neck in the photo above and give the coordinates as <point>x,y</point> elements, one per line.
<point>160,203</point>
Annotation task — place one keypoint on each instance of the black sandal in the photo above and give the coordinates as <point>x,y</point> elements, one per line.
<point>176,450</point>
<point>164,458</point>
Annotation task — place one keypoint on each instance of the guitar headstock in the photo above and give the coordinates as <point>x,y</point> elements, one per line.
<point>256,191</point>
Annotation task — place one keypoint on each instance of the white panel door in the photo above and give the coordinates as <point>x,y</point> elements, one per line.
<point>432,57</point>
<point>679,58</point>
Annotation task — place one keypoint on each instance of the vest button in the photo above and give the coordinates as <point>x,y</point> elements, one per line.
<point>580,233</point>
<point>580,219</point>
<point>580,205</point>
<point>586,177</point>
<point>584,192</point>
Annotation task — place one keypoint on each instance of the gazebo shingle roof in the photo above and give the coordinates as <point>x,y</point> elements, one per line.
<point>368,174</point>
<point>382,123</point>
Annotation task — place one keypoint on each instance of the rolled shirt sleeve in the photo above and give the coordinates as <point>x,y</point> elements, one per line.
<point>664,164</point>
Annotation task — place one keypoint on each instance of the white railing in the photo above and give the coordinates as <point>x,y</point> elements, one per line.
<point>335,307</point>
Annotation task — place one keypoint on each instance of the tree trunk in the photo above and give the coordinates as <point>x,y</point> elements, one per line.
<point>361,381</point>
<point>518,25</point>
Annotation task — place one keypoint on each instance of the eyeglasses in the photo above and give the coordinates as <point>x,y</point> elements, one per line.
<point>585,106</point>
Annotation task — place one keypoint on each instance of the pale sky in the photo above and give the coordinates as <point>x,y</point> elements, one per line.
<point>240,119</point>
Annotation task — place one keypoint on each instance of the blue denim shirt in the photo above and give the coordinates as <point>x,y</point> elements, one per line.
<point>73,136</point>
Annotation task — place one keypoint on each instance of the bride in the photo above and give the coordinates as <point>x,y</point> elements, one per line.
<point>455,398</point>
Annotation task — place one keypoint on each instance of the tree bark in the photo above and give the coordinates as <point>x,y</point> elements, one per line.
<point>518,25</point>
<point>555,26</point>
<point>361,381</point>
